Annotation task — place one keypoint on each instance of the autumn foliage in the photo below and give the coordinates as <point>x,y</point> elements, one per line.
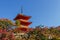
<point>8,31</point>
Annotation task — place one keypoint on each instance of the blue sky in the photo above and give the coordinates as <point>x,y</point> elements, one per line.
<point>46,12</point>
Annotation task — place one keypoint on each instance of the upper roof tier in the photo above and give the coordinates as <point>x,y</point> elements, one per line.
<point>21,16</point>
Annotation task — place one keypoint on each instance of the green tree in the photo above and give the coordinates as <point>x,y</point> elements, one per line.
<point>17,22</point>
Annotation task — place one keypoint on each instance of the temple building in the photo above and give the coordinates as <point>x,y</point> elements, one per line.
<point>24,22</point>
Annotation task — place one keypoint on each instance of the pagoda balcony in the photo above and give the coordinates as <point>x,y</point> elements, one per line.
<point>23,20</point>
<point>22,26</point>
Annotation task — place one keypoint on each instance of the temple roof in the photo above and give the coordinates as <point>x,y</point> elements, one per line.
<point>21,16</point>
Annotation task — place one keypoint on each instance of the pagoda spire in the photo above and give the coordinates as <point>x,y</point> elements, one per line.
<point>21,9</point>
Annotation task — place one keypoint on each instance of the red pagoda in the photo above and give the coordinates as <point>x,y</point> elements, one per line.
<point>24,23</point>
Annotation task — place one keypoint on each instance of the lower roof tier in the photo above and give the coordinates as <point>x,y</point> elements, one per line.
<point>22,29</point>
<point>25,23</point>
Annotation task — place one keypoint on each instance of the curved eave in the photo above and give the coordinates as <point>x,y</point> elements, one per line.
<point>20,16</point>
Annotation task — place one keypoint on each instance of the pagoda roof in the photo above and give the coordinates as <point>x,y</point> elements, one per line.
<point>21,16</point>
<point>22,29</point>
<point>25,23</point>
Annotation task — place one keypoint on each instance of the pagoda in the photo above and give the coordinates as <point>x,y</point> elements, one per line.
<point>24,22</point>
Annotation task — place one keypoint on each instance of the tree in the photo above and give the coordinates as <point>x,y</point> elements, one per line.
<point>6,24</point>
